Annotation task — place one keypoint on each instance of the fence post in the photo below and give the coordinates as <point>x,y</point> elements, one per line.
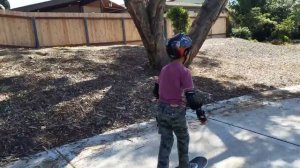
<point>34,29</point>
<point>86,31</point>
<point>124,31</point>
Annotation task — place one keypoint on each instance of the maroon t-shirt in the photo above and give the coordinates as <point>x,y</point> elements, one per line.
<point>173,79</point>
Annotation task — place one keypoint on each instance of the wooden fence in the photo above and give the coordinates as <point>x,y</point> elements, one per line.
<point>29,29</point>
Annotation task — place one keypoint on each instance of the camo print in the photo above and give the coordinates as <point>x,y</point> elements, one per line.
<point>169,120</point>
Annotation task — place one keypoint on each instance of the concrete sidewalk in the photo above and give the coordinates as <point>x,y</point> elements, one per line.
<point>242,132</point>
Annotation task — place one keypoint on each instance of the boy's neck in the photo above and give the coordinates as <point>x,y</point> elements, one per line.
<point>179,60</point>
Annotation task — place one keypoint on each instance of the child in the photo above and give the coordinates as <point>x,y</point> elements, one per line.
<point>173,81</point>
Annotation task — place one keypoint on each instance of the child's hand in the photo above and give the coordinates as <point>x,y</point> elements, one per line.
<point>156,79</point>
<point>201,116</point>
<point>154,100</point>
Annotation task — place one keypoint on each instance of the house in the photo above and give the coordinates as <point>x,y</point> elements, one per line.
<point>193,6</point>
<point>78,6</point>
<point>219,29</point>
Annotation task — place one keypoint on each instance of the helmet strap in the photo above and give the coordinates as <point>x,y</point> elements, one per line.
<point>186,56</point>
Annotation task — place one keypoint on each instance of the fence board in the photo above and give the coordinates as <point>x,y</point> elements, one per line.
<point>62,29</point>
<point>16,32</point>
<point>58,32</point>
<point>105,31</point>
<point>132,33</point>
<point>63,15</point>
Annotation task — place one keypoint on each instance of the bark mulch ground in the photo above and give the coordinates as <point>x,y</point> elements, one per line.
<point>54,96</point>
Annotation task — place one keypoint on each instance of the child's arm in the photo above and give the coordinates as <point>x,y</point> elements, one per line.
<point>196,104</point>
<point>156,88</point>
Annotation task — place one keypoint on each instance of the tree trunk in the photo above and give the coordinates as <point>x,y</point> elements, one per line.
<point>148,17</point>
<point>201,26</point>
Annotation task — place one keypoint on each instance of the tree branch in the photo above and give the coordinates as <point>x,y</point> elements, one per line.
<point>155,13</point>
<point>138,11</point>
<point>201,26</point>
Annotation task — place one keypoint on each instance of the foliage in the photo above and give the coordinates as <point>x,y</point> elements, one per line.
<point>241,32</point>
<point>5,4</point>
<point>244,6</point>
<point>285,39</point>
<point>296,18</point>
<point>284,30</point>
<point>230,25</point>
<point>267,19</point>
<point>260,24</point>
<point>280,10</point>
<point>180,19</point>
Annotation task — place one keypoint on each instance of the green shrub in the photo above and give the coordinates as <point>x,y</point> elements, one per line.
<point>284,30</point>
<point>286,39</point>
<point>296,33</point>
<point>260,24</point>
<point>241,32</point>
<point>296,17</point>
<point>266,19</point>
<point>280,10</point>
<point>180,19</point>
<point>263,30</point>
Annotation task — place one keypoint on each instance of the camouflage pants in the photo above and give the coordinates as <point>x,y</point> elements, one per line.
<point>169,120</point>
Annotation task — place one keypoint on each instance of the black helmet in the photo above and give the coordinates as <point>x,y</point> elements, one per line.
<point>179,46</point>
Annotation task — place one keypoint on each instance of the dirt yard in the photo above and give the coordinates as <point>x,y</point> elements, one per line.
<point>54,96</point>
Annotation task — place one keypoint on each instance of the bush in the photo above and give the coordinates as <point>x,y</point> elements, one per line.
<point>296,17</point>
<point>260,24</point>
<point>280,10</point>
<point>180,19</point>
<point>241,32</point>
<point>263,29</point>
<point>296,33</point>
<point>267,20</point>
<point>286,39</point>
<point>284,30</point>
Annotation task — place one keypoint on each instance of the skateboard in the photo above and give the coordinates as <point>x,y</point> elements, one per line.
<point>200,161</point>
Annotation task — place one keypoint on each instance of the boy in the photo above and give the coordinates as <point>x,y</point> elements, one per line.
<point>173,81</point>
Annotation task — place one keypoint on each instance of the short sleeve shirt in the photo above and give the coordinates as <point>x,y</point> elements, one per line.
<point>174,78</point>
